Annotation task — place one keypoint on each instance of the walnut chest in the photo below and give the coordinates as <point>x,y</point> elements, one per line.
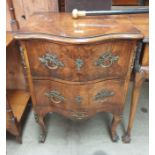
<point>78,68</point>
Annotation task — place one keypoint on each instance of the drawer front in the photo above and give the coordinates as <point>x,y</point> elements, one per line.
<point>106,60</point>
<point>102,96</point>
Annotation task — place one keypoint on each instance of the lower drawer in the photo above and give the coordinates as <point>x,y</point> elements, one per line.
<point>70,99</point>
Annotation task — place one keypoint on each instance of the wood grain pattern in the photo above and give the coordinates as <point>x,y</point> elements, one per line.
<point>33,6</point>
<point>17,103</point>
<point>145,55</point>
<point>13,21</point>
<point>20,12</point>
<point>87,93</point>
<point>8,19</point>
<point>15,78</point>
<point>59,33</point>
<point>17,96</point>
<point>141,22</point>
<point>68,55</point>
<point>11,122</point>
<point>77,31</point>
<point>18,100</point>
<point>24,9</point>
<point>9,38</point>
<point>140,76</point>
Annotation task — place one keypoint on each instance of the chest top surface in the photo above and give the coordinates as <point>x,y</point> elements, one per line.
<point>61,27</point>
<point>141,22</point>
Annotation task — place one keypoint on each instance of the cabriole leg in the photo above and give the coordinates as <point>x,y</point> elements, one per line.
<point>43,129</point>
<point>116,120</point>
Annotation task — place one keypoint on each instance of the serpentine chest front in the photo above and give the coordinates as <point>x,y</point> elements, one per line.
<point>77,68</point>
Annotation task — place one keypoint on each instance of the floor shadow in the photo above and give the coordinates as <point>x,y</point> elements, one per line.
<point>99,153</point>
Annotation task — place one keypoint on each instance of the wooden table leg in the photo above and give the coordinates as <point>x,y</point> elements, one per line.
<point>140,77</point>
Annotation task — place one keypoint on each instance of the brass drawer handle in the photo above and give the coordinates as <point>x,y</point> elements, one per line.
<point>55,96</point>
<point>103,94</point>
<point>106,60</point>
<point>51,61</point>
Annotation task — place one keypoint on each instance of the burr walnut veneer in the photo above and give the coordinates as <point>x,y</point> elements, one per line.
<point>78,68</point>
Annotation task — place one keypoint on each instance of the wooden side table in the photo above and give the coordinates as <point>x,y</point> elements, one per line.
<point>17,95</point>
<point>141,69</point>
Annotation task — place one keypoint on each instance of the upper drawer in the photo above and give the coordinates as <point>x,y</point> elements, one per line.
<point>107,60</point>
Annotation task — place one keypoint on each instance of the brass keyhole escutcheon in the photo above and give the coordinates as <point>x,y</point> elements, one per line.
<point>79,63</point>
